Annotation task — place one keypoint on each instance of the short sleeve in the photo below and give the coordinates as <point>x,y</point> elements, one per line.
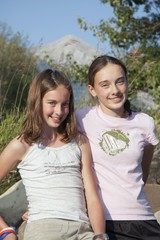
<point>152,137</point>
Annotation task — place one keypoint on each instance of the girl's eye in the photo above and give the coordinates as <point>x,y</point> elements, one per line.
<point>65,105</point>
<point>105,85</point>
<point>52,103</point>
<point>121,81</point>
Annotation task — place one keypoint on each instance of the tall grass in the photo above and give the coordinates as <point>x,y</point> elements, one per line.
<point>10,126</point>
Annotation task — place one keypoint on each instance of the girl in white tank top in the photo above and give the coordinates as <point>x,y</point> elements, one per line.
<point>55,165</point>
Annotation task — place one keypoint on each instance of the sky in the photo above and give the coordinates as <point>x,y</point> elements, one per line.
<point>45,21</point>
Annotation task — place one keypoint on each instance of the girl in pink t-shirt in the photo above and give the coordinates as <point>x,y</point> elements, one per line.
<point>122,144</point>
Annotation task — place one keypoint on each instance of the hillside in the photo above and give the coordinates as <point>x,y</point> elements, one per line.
<point>58,50</point>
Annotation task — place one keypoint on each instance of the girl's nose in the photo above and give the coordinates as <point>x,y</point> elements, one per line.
<point>115,89</point>
<point>58,109</point>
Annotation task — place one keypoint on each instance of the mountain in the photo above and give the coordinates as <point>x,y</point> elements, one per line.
<point>58,50</point>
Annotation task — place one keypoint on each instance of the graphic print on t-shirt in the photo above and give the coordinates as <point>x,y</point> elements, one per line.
<point>114,141</point>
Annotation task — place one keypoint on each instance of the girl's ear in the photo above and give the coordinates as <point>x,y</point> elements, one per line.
<point>92,91</point>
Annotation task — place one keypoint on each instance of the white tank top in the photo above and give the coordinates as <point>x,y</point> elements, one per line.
<point>53,182</point>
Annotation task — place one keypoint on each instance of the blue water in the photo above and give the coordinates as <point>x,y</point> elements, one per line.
<point>80,93</point>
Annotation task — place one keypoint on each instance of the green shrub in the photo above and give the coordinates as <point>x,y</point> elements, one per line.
<point>10,126</point>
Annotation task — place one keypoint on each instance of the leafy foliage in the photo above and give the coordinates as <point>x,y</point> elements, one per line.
<point>144,71</point>
<point>75,72</point>
<point>144,75</point>
<point>17,68</point>
<point>134,23</point>
<point>10,126</point>
<point>9,129</point>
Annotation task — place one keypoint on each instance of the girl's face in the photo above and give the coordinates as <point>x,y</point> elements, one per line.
<point>55,106</point>
<point>111,88</point>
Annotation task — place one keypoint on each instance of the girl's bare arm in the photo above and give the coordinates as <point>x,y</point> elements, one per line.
<point>94,205</point>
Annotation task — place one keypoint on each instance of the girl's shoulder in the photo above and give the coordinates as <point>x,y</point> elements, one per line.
<point>143,117</point>
<point>81,139</point>
<point>18,142</point>
<point>18,146</point>
<point>86,110</point>
<point>140,114</point>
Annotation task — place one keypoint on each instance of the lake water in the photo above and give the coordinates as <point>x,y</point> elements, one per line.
<point>80,93</point>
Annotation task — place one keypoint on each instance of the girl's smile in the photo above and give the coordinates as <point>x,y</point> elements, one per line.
<point>55,106</point>
<point>110,87</point>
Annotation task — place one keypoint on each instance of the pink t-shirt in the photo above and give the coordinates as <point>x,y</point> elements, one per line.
<point>117,146</point>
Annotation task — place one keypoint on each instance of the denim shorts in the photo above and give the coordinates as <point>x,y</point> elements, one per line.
<point>133,230</point>
<point>57,229</point>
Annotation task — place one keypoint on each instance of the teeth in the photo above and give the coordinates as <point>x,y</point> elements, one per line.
<point>56,119</point>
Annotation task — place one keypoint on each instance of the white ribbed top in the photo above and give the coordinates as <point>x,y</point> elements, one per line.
<point>53,182</point>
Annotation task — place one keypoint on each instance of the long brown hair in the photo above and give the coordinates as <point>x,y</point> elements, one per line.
<point>101,62</point>
<point>45,81</point>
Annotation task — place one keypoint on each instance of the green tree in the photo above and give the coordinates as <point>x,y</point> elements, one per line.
<point>17,68</point>
<point>135,22</point>
<point>10,127</point>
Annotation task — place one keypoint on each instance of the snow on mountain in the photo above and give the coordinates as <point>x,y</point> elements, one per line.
<point>58,50</point>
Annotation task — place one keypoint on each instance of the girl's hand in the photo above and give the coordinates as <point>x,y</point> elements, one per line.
<point>11,237</point>
<point>25,216</point>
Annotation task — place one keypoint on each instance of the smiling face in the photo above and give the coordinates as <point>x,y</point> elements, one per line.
<point>111,89</point>
<point>55,106</point>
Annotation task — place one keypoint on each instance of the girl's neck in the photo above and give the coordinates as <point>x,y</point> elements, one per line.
<point>121,113</point>
<point>51,139</point>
